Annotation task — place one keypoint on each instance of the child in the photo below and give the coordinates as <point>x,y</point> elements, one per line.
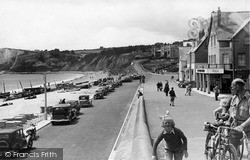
<point>176,141</point>
<point>172,96</point>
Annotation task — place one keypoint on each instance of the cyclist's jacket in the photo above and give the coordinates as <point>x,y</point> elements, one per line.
<point>239,110</point>
<point>175,140</point>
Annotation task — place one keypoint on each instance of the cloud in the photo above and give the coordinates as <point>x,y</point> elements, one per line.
<point>79,24</point>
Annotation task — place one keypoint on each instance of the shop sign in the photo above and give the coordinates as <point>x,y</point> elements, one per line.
<point>210,71</point>
<point>226,76</point>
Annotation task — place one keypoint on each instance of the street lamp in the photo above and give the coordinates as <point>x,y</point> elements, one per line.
<point>45,96</point>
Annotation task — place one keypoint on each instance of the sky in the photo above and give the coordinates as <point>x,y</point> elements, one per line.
<point>89,24</point>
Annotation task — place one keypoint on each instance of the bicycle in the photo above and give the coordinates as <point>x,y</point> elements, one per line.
<point>217,145</point>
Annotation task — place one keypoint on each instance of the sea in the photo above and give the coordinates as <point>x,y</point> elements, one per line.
<point>16,81</point>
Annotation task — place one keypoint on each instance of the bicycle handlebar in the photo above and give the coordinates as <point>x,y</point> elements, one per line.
<point>230,128</point>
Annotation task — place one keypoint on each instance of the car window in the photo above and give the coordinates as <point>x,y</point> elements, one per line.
<point>4,136</point>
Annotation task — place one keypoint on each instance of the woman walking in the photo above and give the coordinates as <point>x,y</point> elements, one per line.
<point>166,88</point>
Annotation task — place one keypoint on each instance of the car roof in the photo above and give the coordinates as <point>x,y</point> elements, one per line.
<point>61,105</point>
<point>84,96</point>
<point>8,130</point>
<point>71,101</point>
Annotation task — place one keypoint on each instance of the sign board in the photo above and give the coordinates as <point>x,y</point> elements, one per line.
<point>210,70</point>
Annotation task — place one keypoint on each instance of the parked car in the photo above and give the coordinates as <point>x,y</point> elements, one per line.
<point>85,101</point>
<point>63,112</point>
<point>99,94</point>
<point>126,79</point>
<point>14,139</point>
<point>75,104</point>
<point>184,84</point>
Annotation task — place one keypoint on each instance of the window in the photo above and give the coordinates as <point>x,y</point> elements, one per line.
<point>214,40</point>
<point>242,59</point>
<point>225,61</point>
<point>211,41</point>
<point>225,58</point>
<point>223,44</point>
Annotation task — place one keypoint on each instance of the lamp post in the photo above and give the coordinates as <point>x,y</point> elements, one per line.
<point>45,97</point>
<point>233,58</point>
<point>190,69</point>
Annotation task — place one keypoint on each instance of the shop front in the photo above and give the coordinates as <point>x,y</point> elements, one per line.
<point>208,78</point>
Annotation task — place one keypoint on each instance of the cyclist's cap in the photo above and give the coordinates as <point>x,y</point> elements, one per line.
<point>238,81</point>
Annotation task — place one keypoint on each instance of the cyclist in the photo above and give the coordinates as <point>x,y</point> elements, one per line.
<point>240,112</point>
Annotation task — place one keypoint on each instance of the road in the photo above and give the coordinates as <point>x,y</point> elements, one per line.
<point>94,133</point>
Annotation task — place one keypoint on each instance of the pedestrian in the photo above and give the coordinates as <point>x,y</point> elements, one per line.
<point>176,141</point>
<point>172,96</point>
<point>158,86</point>
<point>188,90</point>
<point>139,94</point>
<point>166,88</point>
<point>216,92</point>
<point>240,113</point>
<point>223,106</point>
<point>161,86</point>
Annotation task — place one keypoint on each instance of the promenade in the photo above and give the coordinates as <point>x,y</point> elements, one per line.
<point>189,113</point>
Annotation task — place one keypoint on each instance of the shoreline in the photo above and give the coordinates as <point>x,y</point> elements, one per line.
<point>22,106</point>
<point>15,82</point>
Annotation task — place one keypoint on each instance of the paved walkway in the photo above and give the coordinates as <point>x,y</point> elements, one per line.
<point>189,113</point>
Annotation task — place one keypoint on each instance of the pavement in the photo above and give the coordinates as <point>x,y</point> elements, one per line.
<point>189,113</point>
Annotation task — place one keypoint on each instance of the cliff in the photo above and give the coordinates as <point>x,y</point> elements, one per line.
<point>114,60</point>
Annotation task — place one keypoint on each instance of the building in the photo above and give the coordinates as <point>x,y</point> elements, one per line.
<point>197,59</point>
<point>228,51</point>
<point>183,53</point>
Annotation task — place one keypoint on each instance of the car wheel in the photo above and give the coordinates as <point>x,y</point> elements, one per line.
<point>17,148</point>
<point>70,120</point>
<point>30,143</point>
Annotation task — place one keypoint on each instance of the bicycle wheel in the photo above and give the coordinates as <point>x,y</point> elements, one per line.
<point>209,151</point>
<point>228,153</point>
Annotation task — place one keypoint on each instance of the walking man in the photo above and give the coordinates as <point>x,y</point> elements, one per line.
<point>216,92</point>
<point>172,96</point>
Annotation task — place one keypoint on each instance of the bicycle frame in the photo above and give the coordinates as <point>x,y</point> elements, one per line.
<point>220,143</point>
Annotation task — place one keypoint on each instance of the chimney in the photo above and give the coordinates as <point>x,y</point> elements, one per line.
<point>201,34</point>
<point>218,17</point>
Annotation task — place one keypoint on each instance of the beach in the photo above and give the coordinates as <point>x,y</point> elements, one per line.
<point>33,106</point>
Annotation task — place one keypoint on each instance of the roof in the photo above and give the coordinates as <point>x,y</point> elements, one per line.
<point>84,96</point>
<point>61,105</point>
<point>68,101</point>
<point>241,27</point>
<point>203,39</point>
<point>230,23</point>
<point>8,130</point>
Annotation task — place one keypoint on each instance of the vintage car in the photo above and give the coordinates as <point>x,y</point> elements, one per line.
<point>14,139</point>
<point>75,104</point>
<point>99,94</point>
<point>85,101</point>
<point>63,112</point>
